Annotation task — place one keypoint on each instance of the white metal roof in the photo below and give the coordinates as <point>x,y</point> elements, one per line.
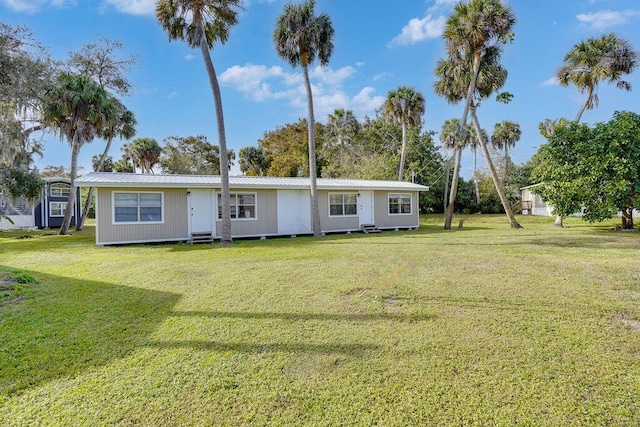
<point>109,179</point>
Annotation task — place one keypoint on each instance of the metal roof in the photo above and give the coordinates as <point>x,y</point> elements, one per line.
<point>109,179</point>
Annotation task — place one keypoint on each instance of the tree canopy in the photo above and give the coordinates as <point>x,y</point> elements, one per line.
<point>593,169</point>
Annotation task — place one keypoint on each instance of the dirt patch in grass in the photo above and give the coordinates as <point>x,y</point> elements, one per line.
<point>631,324</point>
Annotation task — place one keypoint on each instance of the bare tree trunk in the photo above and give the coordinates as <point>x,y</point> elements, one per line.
<point>492,170</point>
<point>454,189</point>
<point>627,218</point>
<point>313,173</point>
<point>225,233</point>
<point>446,184</point>
<point>71,201</point>
<point>403,151</point>
<point>475,176</point>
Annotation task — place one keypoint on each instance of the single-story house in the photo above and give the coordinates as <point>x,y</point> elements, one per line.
<point>533,202</point>
<point>139,208</point>
<point>48,212</point>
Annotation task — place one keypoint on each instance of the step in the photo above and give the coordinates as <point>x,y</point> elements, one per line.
<point>369,228</point>
<point>201,237</point>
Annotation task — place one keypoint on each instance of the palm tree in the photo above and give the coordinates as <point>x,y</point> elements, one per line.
<point>456,138</point>
<point>342,125</point>
<point>201,24</point>
<point>122,125</point>
<point>404,106</point>
<point>472,33</point>
<point>145,152</point>
<point>79,110</point>
<point>606,58</point>
<point>300,37</point>
<point>505,135</point>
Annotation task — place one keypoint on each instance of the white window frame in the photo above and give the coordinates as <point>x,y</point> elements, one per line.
<point>64,209</point>
<point>231,197</point>
<point>399,196</point>
<point>113,208</point>
<point>61,185</point>
<point>343,193</point>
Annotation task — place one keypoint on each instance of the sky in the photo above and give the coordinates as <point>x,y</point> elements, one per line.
<point>379,46</point>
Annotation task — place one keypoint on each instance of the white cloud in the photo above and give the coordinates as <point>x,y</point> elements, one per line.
<point>260,83</point>
<point>553,81</point>
<point>134,7</point>
<point>33,6</point>
<point>418,30</point>
<point>189,57</point>
<point>606,18</point>
<point>429,27</point>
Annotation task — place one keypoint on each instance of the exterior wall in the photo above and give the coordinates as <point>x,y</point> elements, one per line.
<point>335,223</point>
<point>266,221</point>
<point>21,214</point>
<point>174,226</point>
<point>381,211</point>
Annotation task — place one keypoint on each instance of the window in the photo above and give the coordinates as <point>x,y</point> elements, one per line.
<point>343,204</point>
<point>242,205</point>
<point>57,208</point>
<point>60,190</point>
<point>137,207</point>
<point>400,204</point>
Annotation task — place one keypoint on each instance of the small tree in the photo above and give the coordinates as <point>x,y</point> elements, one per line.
<point>593,168</point>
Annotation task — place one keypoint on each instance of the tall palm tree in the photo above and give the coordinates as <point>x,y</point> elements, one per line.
<point>201,24</point>
<point>122,125</point>
<point>79,110</point>
<point>404,106</point>
<point>605,58</point>
<point>505,134</point>
<point>300,37</point>
<point>473,31</point>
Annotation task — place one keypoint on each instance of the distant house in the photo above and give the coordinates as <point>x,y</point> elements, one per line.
<point>533,203</point>
<point>135,208</point>
<point>48,212</point>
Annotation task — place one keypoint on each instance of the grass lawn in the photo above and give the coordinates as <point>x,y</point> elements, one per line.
<point>479,326</point>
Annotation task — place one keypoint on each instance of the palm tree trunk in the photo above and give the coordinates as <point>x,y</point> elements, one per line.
<point>584,106</point>
<point>463,122</point>
<point>313,173</point>
<point>454,189</point>
<point>225,233</point>
<point>492,170</point>
<point>446,183</point>
<point>403,151</point>
<point>71,201</point>
<point>475,177</point>
<point>87,203</point>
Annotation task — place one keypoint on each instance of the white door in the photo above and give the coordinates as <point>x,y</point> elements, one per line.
<point>201,211</point>
<point>365,207</point>
<point>294,212</point>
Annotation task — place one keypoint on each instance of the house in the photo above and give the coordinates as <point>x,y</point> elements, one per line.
<point>48,212</point>
<point>138,208</point>
<point>533,202</point>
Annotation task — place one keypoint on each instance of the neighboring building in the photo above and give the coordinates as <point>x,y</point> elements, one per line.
<point>135,208</point>
<point>542,208</point>
<point>48,212</point>
<point>533,202</point>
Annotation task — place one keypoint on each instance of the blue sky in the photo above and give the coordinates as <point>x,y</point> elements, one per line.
<point>379,45</point>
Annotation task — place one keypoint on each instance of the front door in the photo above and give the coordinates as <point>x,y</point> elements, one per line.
<point>201,211</point>
<point>365,207</point>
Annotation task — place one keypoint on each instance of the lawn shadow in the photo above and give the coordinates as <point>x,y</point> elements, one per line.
<point>248,348</point>
<point>64,326</point>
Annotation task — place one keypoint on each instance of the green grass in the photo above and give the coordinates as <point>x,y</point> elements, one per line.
<point>479,326</point>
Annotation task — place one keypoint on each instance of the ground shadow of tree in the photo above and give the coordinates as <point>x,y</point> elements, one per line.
<point>63,326</point>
